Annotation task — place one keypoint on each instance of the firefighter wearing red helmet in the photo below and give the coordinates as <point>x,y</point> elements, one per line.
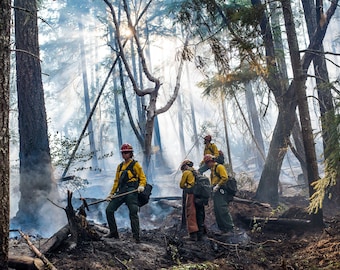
<point>126,147</point>
<point>209,148</point>
<point>129,180</point>
<point>218,177</point>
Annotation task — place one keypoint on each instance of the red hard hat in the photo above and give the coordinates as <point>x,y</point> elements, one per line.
<point>126,147</point>
<point>207,138</point>
<point>208,158</point>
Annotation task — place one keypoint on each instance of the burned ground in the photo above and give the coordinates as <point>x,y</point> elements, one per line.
<point>261,242</point>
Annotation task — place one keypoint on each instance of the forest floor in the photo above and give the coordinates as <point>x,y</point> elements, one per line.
<point>258,243</point>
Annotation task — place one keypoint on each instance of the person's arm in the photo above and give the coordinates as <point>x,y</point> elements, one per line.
<point>115,185</point>
<point>116,182</point>
<point>215,150</point>
<point>187,180</point>
<point>140,174</point>
<point>222,174</point>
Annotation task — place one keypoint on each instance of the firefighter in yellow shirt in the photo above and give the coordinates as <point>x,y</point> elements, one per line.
<point>209,148</point>
<point>127,180</point>
<point>218,177</point>
<point>193,209</point>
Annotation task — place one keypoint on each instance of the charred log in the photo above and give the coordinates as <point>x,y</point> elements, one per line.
<point>78,225</point>
<point>25,263</point>
<point>55,240</point>
<point>276,224</point>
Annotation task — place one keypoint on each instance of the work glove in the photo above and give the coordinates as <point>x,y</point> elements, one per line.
<point>140,189</point>
<point>215,188</point>
<point>109,198</point>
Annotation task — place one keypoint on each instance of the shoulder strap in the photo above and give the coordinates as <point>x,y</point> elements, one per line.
<point>128,168</point>
<point>195,172</point>
<point>218,175</point>
<point>211,148</point>
<point>120,166</point>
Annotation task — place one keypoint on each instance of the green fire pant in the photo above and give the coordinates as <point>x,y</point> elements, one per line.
<point>131,200</point>
<point>223,218</point>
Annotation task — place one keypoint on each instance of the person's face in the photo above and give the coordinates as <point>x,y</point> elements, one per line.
<point>210,164</point>
<point>126,155</point>
<point>206,141</point>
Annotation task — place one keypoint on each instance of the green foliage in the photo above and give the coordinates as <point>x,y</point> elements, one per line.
<point>322,187</point>
<point>61,148</point>
<point>230,81</point>
<point>213,22</point>
<point>258,226</point>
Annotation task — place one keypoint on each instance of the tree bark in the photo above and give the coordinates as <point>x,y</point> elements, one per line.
<point>314,17</point>
<point>267,189</point>
<point>5,26</point>
<point>255,123</point>
<point>35,162</point>
<point>299,80</point>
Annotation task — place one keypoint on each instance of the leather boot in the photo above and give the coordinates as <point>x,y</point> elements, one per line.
<point>112,235</point>
<point>193,236</point>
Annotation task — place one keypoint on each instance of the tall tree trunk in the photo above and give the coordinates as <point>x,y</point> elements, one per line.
<point>276,13</point>
<point>313,17</point>
<point>180,111</point>
<point>299,80</point>
<point>193,117</point>
<point>226,133</point>
<point>255,123</point>
<point>35,161</point>
<point>267,189</point>
<point>93,150</point>
<point>5,26</point>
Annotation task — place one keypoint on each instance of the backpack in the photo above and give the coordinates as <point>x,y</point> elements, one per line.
<point>231,186</point>
<point>202,188</point>
<point>220,158</point>
<point>144,197</point>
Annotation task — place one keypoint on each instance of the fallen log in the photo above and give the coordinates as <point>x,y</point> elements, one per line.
<point>246,201</point>
<point>276,224</point>
<point>25,262</point>
<point>55,240</point>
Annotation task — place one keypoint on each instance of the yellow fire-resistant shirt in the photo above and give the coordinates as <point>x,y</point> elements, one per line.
<point>211,148</point>
<point>221,175</point>
<point>188,179</point>
<point>135,174</point>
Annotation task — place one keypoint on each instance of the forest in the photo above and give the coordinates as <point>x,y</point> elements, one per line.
<point>79,79</point>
